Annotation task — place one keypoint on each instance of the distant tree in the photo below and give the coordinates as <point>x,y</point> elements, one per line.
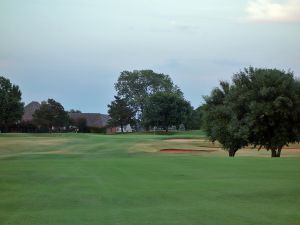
<point>166,109</point>
<point>195,120</point>
<point>220,121</point>
<point>27,127</point>
<point>138,85</point>
<point>11,107</point>
<point>80,123</point>
<point>120,113</point>
<point>268,100</point>
<point>50,114</point>
<point>74,111</point>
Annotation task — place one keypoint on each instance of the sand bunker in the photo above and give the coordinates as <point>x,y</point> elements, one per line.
<point>291,150</point>
<point>181,140</point>
<point>185,150</point>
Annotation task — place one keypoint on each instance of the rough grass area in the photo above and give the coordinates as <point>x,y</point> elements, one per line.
<point>62,179</point>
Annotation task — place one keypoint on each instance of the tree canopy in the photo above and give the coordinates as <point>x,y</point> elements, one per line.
<point>80,123</point>
<point>220,121</point>
<point>11,107</point>
<point>166,109</point>
<point>261,107</point>
<point>270,100</point>
<point>138,85</point>
<point>50,115</point>
<point>120,112</point>
<point>74,111</point>
<point>195,120</point>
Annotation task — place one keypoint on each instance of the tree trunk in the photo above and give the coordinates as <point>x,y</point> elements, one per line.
<point>122,130</point>
<point>276,152</point>
<point>273,153</point>
<point>232,152</point>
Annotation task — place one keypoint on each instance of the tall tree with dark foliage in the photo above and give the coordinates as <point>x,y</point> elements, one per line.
<point>220,121</point>
<point>165,109</point>
<point>11,107</point>
<point>261,107</point>
<point>51,115</point>
<point>269,103</point>
<point>120,113</point>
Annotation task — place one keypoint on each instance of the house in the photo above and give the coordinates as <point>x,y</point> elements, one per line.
<point>126,129</point>
<point>29,111</point>
<point>93,120</point>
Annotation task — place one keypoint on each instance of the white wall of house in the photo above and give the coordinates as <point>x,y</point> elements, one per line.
<point>127,129</point>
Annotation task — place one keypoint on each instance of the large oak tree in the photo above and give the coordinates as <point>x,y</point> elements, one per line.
<point>138,85</point>
<point>269,103</point>
<point>165,109</point>
<point>261,107</point>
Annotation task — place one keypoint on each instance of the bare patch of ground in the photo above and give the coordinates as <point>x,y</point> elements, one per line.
<point>185,150</point>
<point>143,147</point>
<point>291,150</point>
<point>59,152</point>
<point>33,141</point>
<point>185,140</point>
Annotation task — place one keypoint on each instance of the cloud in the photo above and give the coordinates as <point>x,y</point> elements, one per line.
<point>272,11</point>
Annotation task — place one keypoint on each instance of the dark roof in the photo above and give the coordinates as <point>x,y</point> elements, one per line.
<point>29,110</point>
<point>92,119</point>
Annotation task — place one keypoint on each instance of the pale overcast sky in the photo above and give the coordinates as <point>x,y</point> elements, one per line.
<point>74,50</point>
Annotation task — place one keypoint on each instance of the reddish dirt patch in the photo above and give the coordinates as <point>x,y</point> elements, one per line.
<point>184,150</point>
<point>291,149</point>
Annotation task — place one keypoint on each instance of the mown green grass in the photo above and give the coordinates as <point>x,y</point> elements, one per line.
<point>98,179</point>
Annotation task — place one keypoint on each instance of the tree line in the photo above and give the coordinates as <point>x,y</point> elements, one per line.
<point>144,99</point>
<point>260,107</point>
<point>51,115</point>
